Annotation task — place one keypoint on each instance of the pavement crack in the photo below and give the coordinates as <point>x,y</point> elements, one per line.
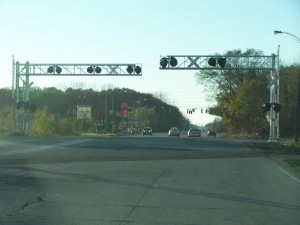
<point>37,199</point>
<point>148,188</point>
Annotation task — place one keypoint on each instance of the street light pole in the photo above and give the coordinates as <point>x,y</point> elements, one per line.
<point>291,35</point>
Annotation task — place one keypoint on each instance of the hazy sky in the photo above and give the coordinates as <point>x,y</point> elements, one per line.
<point>140,31</point>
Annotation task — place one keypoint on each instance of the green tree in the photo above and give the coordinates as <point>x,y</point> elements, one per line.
<point>5,120</point>
<point>65,126</point>
<point>247,116</point>
<point>289,76</point>
<point>42,123</point>
<point>239,93</point>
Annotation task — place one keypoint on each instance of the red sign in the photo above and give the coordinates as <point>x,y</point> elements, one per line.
<point>124,111</point>
<point>124,105</point>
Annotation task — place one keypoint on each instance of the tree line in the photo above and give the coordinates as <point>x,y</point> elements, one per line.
<point>56,111</point>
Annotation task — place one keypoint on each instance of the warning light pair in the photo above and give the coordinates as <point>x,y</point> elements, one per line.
<point>267,106</point>
<point>213,62</point>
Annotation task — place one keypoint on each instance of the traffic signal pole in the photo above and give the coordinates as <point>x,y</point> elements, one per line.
<point>225,62</point>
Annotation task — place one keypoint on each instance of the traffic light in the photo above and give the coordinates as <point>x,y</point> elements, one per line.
<point>98,69</point>
<point>138,69</point>
<point>19,104</point>
<point>276,107</point>
<point>222,62</point>
<point>90,69</point>
<point>50,69</point>
<point>266,106</point>
<point>189,111</point>
<point>164,62</point>
<point>58,69</point>
<point>129,69</point>
<point>213,62</point>
<point>173,61</point>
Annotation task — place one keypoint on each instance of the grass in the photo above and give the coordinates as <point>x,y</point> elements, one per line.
<point>291,143</point>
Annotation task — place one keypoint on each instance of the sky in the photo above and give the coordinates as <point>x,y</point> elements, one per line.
<point>140,31</point>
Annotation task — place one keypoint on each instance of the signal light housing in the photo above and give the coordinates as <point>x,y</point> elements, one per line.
<point>222,62</point>
<point>20,104</point>
<point>138,69</point>
<point>276,107</point>
<point>164,62</point>
<point>173,61</point>
<point>50,69</point>
<point>129,69</point>
<point>266,106</point>
<point>90,69</point>
<point>58,70</point>
<point>212,62</point>
<point>98,69</point>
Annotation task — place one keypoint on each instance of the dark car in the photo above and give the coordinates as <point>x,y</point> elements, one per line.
<point>147,131</point>
<point>211,133</point>
<point>174,131</point>
<point>194,132</point>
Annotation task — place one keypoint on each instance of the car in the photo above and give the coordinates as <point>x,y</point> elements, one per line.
<point>147,131</point>
<point>194,132</point>
<point>174,131</point>
<point>211,133</point>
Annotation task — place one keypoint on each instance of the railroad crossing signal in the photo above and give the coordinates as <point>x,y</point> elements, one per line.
<point>58,69</point>
<point>275,106</point>
<point>215,62</point>
<point>227,62</point>
<point>21,98</point>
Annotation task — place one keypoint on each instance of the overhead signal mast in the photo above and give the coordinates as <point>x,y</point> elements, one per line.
<point>219,62</point>
<point>22,73</point>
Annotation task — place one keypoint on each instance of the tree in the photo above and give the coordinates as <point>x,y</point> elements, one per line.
<point>42,123</point>
<point>239,93</point>
<point>289,76</point>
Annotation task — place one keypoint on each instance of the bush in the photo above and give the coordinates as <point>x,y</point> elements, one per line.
<point>65,126</point>
<point>42,123</point>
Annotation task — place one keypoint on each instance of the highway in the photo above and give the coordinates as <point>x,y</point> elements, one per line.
<point>146,180</point>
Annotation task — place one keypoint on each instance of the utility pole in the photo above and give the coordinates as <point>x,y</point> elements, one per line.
<point>113,109</point>
<point>106,112</point>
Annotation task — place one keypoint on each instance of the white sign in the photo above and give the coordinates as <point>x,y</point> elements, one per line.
<point>84,112</point>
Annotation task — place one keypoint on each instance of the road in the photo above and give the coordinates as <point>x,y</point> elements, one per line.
<point>145,180</point>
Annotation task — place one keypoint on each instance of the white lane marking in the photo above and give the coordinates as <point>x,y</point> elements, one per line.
<point>46,147</point>
<point>290,175</point>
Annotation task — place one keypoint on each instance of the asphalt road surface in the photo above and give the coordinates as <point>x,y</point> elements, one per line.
<point>145,180</point>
